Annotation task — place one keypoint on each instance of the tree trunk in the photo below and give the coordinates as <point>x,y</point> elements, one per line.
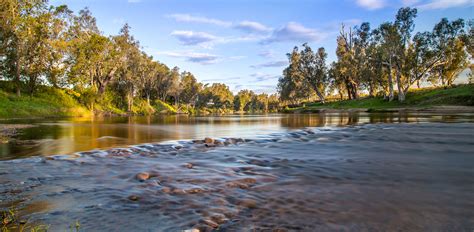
<point>390,82</point>
<point>32,84</point>
<point>371,89</point>
<point>355,92</point>
<point>17,77</point>
<point>129,102</point>
<point>401,93</point>
<point>320,95</point>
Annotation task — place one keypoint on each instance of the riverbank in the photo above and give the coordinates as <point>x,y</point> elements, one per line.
<point>457,99</point>
<point>47,103</point>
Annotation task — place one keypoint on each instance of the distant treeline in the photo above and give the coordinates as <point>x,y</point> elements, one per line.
<point>386,61</point>
<point>46,45</point>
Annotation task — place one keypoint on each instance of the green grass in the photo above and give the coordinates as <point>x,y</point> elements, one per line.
<point>47,102</point>
<point>163,107</point>
<point>462,95</point>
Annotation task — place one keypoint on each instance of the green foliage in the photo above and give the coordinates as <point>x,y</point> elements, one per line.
<point>380,60</point>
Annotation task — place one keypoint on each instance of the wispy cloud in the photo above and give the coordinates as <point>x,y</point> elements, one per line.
<point>253,27</point>
<point>371,4</point>
<point>260,77</point>
<point>223,79</point>
<point>267,54</point>
<point>410,2</point>
<point>271,64</point>
<point>295,32</point>
<point>258,89</point>
<point>195,57</point>
<point>198,19</point>
<point>133,1</point>
<point>193,38</point>
<point>444,4</point>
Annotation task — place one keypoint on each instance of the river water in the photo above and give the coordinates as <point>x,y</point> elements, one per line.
<point>312,172</point>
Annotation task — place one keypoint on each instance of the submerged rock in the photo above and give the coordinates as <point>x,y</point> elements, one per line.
<point>133,198</point>
<point>142,176</point>
<point>248,203</point>
<point>210,145</point>
<point>208,140</point>
<point>210,223</point>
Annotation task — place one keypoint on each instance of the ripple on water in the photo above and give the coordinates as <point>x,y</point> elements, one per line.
<point>407,177</point>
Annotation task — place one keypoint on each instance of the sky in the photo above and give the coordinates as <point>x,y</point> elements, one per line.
<point>243,43</point>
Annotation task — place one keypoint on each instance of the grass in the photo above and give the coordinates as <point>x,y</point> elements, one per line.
<point>163,107</point>
<point>47,102</point>
<point>462,95</point>
<point>11,222</point>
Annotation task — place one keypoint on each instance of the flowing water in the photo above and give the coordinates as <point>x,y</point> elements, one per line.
<point>313,172</point>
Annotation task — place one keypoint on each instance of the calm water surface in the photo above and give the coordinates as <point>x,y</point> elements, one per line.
<point>66,136</point>
<point>321,172</point>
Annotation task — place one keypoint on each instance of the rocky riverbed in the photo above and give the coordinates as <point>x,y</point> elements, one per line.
<point>371,177</point>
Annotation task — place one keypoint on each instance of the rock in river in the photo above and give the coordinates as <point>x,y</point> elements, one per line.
<point>209,140</point>
<point>142,176</point>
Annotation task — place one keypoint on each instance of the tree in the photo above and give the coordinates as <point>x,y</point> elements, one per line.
<point>58,45</point>
<point>314,70</point>
<point>174,87</point>
<point>219,94</point>
<point>190,88</point>
<point>292,85</point>
<point>348,66</point>
<point>449,46</point>
<point>18,39</point>
<point>242,99</point>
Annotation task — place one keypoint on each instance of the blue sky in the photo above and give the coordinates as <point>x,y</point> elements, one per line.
<point>243,43</point>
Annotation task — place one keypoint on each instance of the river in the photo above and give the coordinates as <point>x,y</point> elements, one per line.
<point>308,172</point>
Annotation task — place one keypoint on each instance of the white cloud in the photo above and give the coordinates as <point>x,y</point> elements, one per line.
<point>443,4</point>
<point>195,57</point>
<point>371,4</point>
<point>271,64</point>
<point>198,19</point>
<point>133,1</point>
<point>295,32</point>
<point>193,38</point>
<point>253,27</point>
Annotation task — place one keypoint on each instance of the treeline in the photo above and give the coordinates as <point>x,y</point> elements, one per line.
<point>46,45</point>
<point>386,61</point>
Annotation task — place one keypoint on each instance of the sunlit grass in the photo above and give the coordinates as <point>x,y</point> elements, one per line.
<point>462,95</point>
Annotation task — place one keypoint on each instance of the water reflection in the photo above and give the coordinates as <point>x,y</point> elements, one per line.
<point>65,136</point>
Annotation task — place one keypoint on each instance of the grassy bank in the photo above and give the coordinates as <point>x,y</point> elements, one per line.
<point>462,95</point>
<point>46,103</point>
